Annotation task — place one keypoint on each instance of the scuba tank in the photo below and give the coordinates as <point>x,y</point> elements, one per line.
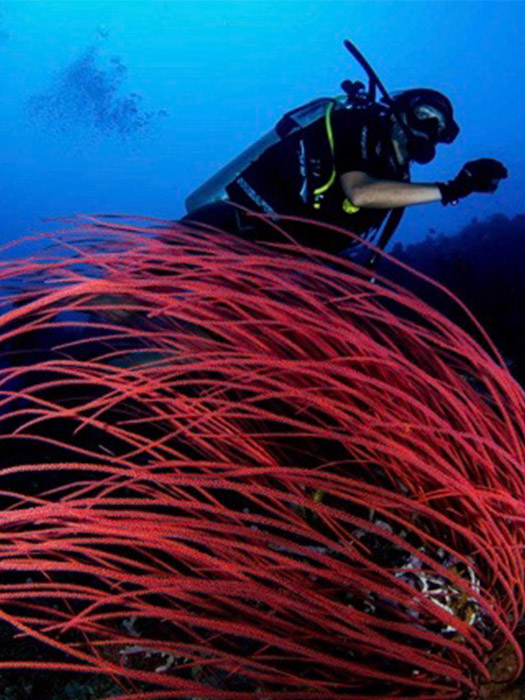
<point>214,188</point>
<point>355,97</point>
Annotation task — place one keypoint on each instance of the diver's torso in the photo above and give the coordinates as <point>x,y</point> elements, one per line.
<point>285,178</point>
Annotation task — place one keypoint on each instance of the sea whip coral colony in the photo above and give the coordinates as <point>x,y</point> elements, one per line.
<point>235,471</point>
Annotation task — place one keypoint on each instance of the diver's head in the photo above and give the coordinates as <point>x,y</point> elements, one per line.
<point>427,119</point>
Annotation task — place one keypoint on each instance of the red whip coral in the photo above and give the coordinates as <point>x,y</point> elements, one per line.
<point>234,471</point>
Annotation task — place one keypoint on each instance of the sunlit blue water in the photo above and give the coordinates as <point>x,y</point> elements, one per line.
<point>127,106</point>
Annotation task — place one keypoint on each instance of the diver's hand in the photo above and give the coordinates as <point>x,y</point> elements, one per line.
<point>482,175</point>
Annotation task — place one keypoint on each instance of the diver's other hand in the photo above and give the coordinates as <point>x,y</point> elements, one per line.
<point>482,175</point>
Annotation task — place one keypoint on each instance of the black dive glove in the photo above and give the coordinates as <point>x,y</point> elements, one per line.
<point>482,175</point>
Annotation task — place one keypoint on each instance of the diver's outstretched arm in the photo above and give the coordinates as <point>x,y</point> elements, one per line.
<point>371,193</point>
<point>364,191</point>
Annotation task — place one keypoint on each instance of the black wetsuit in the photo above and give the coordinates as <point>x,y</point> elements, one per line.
<point>284,178</point>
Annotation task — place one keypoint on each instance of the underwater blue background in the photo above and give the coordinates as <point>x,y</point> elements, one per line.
<point>125,107</point>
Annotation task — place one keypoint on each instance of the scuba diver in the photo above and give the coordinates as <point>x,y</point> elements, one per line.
<point>342,161</point>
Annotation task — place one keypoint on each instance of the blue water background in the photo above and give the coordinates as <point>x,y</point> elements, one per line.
<point>184,86</point>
